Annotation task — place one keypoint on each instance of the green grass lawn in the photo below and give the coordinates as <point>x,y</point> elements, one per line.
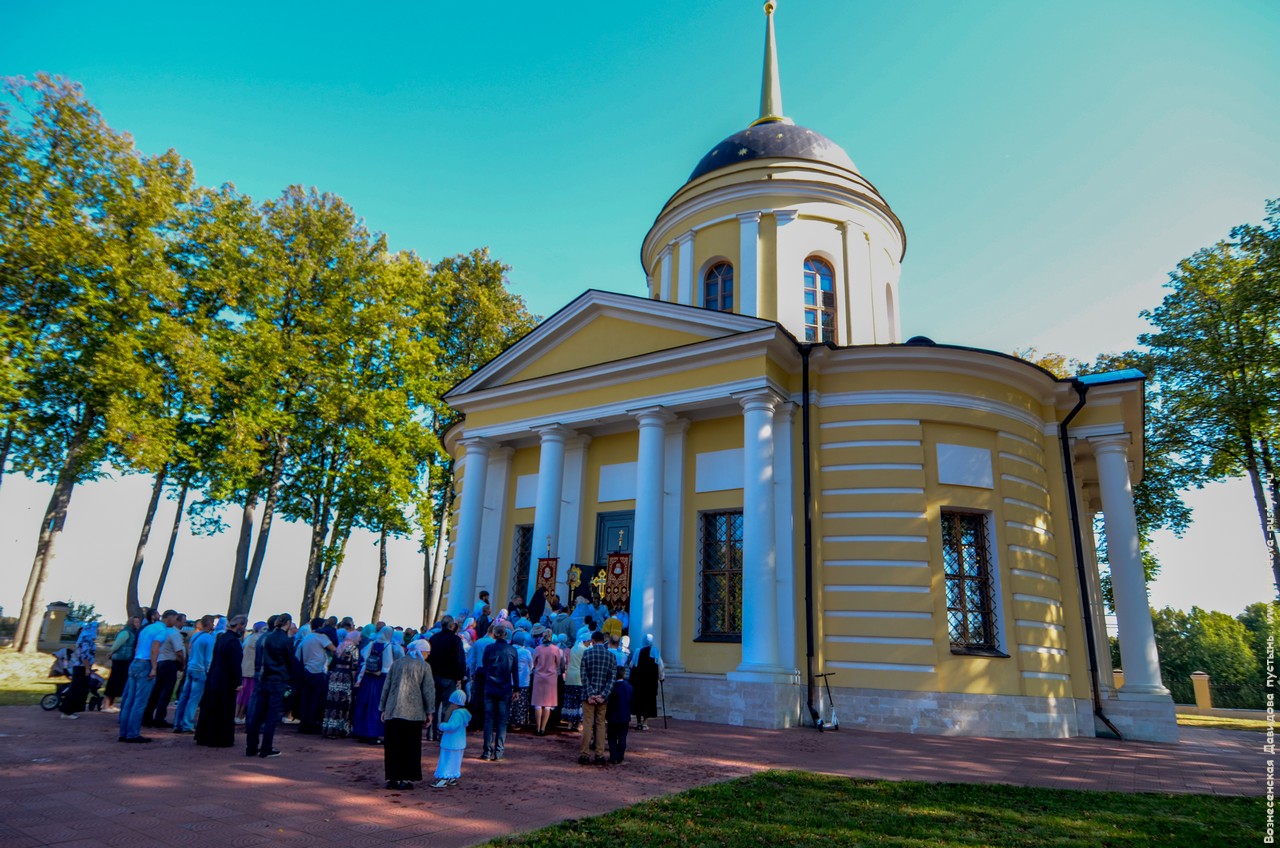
<point>1222,723</point>
<point>24,678</point>
<point>777,808</point>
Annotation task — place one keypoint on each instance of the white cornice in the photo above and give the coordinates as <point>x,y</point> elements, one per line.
<point>870,203</point>
<point>951,400</point>
<point>619,372</point>
<point>700,396</point>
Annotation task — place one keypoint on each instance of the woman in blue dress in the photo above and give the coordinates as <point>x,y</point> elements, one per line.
<point>376,659</point>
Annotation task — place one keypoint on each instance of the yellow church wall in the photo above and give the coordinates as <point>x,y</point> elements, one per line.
<point>767,300</point>
<point>604,450</point>
<point>604,339</point>
<point>718,242</point>
<point>703,437</point>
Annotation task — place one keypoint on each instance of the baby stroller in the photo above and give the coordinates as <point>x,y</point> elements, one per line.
<point>53,700</point>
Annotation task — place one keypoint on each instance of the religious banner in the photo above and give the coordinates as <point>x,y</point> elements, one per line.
<point>617,586</point>
<point>547,575</point>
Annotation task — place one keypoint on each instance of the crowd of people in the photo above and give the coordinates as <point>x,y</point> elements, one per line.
<point>537,668</point>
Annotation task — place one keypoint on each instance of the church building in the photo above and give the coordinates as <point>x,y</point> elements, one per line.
<point>750,457</point>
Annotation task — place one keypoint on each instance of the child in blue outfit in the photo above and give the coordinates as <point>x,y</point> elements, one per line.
<point>453,741</point>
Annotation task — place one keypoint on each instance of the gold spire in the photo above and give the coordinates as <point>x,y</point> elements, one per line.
<point>771,85</point>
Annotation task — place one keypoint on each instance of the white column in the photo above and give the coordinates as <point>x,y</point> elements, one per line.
<point>686,283</point>
<point>664,259</point>
<point>784,534</point>
<point>646,547</point>
<point>494,527</point>
<point>748,263</point>
<point>673,546</point>
<point>475,468</point>
<point>1133,610</point>
<point>759,554</point>
<point>546,510</point>
<point>575,481</point>
<point>859,306</point>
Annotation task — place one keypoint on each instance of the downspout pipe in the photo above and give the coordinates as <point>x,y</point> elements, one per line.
<point>1064,437</point>
<point>805,448</point>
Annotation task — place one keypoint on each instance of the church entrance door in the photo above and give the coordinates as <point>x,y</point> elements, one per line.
<point>613,535</point>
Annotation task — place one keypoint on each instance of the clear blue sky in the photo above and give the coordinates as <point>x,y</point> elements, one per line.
<point>1051,162</point>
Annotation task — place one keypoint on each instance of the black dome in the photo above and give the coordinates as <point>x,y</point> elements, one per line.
<point>773,140</point>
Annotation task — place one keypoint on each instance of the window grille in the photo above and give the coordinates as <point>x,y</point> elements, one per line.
<point>966,560</point>
<point>720,577</point>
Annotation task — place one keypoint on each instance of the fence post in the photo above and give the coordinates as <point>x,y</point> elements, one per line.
<point>1117,678</point>
<point>1200,683</point>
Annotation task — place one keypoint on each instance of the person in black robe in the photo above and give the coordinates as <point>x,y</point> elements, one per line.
<point>538,605</point>
<point>216,726</point>
<point>646,672</point>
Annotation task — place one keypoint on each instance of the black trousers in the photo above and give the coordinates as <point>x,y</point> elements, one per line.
<point>315,689</point>
<point>161,694</point>
<point>73,700</point>
<point>616,732</point>
<point>402,749</point>
<point>264,714</point>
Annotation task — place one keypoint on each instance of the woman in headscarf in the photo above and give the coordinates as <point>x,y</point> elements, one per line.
<point>573,684</point>
<point>519,716</point>
<point>548,665</point>
<point>121,656</point>
<point>646,671</point>
<point>216,725</point>
<point>405,704</point>
<point>581,609</point>
<point>376,658</point>
<point>339,699</point>
<point>73,702</point>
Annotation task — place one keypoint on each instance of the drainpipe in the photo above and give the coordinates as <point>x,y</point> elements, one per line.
<point>805,350</point>
<point>1063,435</point>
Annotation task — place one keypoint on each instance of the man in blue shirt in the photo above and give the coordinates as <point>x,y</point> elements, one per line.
<point>142,677</point>
<point>201,654</point>
<point>313,652</point>
<point>501,670</point>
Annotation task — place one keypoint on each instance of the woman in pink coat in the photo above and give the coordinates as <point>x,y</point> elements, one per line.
<point>548,665</point>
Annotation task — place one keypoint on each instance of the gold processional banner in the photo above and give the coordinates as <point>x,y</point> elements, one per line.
<point>547,569</point>
<point>617,587</point>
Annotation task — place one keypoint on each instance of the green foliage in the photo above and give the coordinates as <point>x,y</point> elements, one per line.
<point>1201,640</point>
<point>777,808</point>
<point>82,611</point>
<point>1215,353</point>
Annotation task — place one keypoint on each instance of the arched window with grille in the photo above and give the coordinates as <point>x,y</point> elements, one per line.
<point>819,301</point>
<point>717,287</point>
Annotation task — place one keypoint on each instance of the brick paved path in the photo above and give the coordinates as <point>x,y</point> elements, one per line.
<point>70,784</point>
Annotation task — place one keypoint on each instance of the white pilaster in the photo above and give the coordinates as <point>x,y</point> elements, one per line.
<point>859,306</point>
<point>1133,610</point>
<point>493,527</point>
<point>672,546</point>
<point>760,659</point>
<point>748,263</point>
<point>684,245</point>
<point>646,549</point>
<point>475,468</point>
<point>546,512</point>
<point>784,534</point>
<point>789,273</point>
<point>575,481</point>
<point>664,260</point>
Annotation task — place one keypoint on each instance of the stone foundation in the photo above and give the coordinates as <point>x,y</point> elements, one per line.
<point>1144,718</point>
<point>717,698</point>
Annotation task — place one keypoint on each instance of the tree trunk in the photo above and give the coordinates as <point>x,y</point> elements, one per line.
<point>1256,475</point>
<point>27,637</point>
<point>435,562</point>
<point>382,575</point>
<point>264,531</point>
<point>173,542</point>
<point>334,559</point>
<point>311,587</point>
<point>5,446</point>
<point>131,602</point>
<point>236,602</point>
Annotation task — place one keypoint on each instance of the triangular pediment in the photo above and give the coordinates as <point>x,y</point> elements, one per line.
<point>600,327</point>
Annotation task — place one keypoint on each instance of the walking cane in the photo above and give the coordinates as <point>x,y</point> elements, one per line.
<point>663,690</point>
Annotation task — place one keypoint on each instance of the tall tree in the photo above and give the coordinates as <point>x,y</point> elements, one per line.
<point>84,280</point>
<point>1216,351</point>
<point>484,319</point>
